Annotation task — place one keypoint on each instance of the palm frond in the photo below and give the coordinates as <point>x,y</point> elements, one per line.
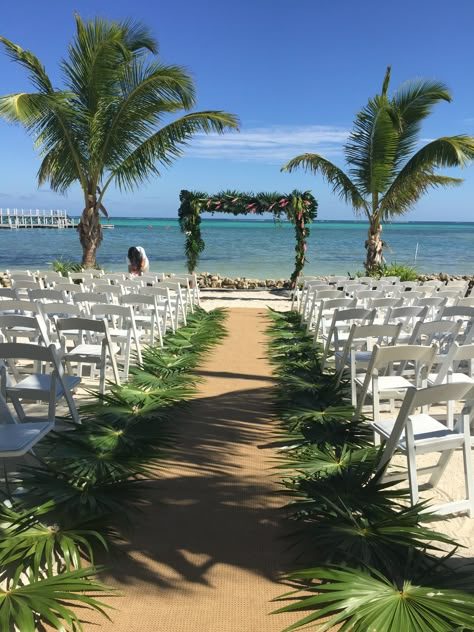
<point>341,184</point>
<point>367,600</point>
<point>168,144</point>
<point>24,602</point>
<point>372,147</point>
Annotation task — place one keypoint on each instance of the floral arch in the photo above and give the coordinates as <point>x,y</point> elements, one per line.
<point>300,208</point>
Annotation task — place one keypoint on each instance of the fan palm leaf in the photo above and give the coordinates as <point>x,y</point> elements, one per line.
<point>360,600</point>
<point>29,537</point>
<point>25,602</point>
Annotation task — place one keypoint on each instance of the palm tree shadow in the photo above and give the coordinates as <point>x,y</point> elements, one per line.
<point>217,502</point>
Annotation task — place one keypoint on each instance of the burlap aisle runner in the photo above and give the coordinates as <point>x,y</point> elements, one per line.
<point>206,554</point>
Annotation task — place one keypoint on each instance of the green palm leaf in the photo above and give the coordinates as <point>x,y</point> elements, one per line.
<point>35,539</point>
<point>360,601</point>
<point>25,602</point>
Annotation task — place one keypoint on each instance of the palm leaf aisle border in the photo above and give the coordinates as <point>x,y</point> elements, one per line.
<point>73,502</point>
<point>379,565</point>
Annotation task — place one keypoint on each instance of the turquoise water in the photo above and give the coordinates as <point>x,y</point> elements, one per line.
<point>250,248</point>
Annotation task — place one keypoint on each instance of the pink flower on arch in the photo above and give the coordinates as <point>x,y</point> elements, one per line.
<point>234,200</point>
<point>209,202</point>
<point>307,202</point>
<point>304,246</point>
<point>271,206</point>
<point>302,259</point>
<point>300,214</point>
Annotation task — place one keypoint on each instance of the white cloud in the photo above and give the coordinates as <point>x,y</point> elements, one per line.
<point>269,144</point>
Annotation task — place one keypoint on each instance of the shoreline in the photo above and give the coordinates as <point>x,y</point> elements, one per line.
<point>216,281</point>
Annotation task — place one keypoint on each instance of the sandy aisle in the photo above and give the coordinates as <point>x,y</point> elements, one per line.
<point>205,555</point>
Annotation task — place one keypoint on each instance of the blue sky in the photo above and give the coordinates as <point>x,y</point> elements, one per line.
<point>294,72</point>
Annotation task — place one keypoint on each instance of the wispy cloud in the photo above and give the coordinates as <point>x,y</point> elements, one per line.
<point>270,144</point>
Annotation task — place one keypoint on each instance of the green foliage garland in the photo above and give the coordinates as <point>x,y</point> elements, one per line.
<point>300,208</point>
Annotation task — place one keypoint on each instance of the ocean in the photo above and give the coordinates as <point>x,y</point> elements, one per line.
<point>249,248</point>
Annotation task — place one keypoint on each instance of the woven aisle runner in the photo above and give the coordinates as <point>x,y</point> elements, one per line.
<point>206,553</point>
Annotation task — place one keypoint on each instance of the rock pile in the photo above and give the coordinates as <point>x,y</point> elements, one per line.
<point>207,280</point>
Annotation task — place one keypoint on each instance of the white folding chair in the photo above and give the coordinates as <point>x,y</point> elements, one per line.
<point>310,300</point>
<point>327,307</point>
<point>16,439</point>
<point>409,317</point>
<point>413,434</point>
<point>33,328</point>
<point>113,292</point>
<point>357,351</point>
<point>49,295</point>
<point>146,313</point>
<point>338,333</point>
<point>434,305</point>
<point>11,306</point>
<point>86,299</point>
<point>165,308</point>
<point>177,301</point>
<point>386,377</point>
<point>94,345</point>
<point>297,294</point>
<point>383,307</point>
<point>452,296</point>
<point>46,381</point>
<point>21,287</point>
<point>122,330</point>
<point>443,332</point>
<point>189,289</point>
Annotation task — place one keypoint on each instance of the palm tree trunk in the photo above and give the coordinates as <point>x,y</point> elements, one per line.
<point>374,247</point>
<point>90,233</point>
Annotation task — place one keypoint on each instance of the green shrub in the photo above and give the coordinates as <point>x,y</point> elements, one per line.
<point>401,270</point>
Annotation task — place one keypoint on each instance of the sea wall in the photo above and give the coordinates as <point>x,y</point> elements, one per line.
<point>211,281</point>
<point>216,281</point>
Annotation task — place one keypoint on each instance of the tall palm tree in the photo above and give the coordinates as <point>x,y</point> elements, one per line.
<point>111,122</point>
<point>386,177</point>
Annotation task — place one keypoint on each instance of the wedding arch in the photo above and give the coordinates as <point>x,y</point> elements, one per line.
<point>300,208</point>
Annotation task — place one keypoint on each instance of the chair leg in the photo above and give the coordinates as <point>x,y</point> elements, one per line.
<point>440,467</point>
<point>468,470</point>
<point>412,476</point>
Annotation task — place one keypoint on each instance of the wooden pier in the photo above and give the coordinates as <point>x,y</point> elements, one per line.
<point>21,218</point>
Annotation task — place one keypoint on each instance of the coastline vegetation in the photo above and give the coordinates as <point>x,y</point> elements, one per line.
<point>374,561</point>
<point>78,501</point>
<point>110,123</point>
<point>386,176</point>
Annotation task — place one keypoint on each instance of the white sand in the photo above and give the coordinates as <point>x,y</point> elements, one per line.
<point>257,299</point>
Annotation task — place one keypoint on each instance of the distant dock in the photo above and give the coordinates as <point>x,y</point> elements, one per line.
<point>22,218</point>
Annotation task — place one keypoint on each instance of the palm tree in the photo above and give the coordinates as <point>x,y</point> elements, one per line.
<point>386,177</point>
<point>110,122</point>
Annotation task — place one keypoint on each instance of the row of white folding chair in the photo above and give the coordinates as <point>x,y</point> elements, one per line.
<point>92,345</point>
<point>412,321</point>
<point>298,292</point>
<point>357,355</point>
<point>38,327</point>
<point>95,352</point>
